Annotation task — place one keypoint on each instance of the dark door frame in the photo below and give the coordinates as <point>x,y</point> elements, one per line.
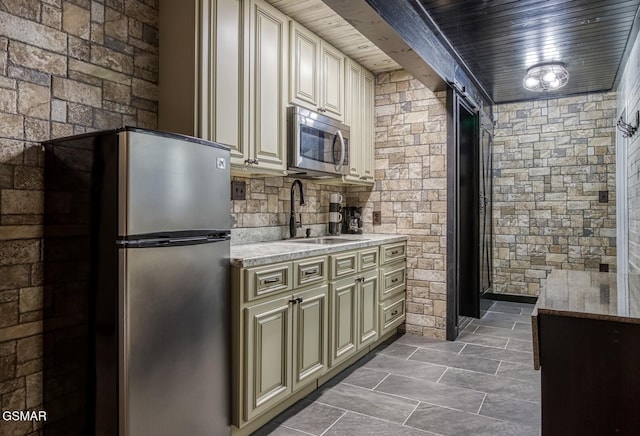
<point>455,101</point>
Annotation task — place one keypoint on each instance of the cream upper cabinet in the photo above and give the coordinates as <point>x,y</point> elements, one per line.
<point>316,73</point>
<point>200,70</point>
<point>353,110</point>
<point>359,116</point>
<point>304,78</point>
<point>266,76</point>
<point>367,126</point>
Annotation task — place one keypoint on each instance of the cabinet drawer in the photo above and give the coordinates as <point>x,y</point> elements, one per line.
<point>368,259</point>
<point>393,279</point>
<point>393,252</point>
<point>309,271</point>
<point>267,280</point>
<point>392,313</point>
<point>343,264</point>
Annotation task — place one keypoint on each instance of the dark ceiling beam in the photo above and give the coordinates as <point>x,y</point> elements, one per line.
<point>400,29</point>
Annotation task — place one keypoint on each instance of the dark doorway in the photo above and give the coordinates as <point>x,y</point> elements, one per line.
<point>468,211</point>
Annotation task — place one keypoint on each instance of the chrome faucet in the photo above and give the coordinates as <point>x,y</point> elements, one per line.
<point>293,224</point>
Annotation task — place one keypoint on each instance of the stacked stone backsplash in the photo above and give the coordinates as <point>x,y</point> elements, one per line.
<point>551,158</point>
<point>66,67</point>
<point>411,191</point>
<point>264,215</point>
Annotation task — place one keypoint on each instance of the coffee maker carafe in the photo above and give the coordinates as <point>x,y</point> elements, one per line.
<point>352,217</point>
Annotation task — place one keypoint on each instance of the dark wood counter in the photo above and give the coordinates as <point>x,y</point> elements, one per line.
<point>586,339</point>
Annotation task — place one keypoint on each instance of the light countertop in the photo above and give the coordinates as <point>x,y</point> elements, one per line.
<point>262,253</point>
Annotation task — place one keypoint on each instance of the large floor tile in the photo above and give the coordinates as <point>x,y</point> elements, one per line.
<point>505,324</point>
<point>454,423</point>
<point>489,341</point>
<point>508,409</point>
<point>502,309</point>
<point>274,429</point>
<point>352,424</point>
<point>309,417</point>
<point>526,319</point>
<point>434,393</point>
<point>471,363</point>
<point>408,368</point>
<point>492,384</point>
<point>424,342</point>
<point>503,333</point>
<point>397,349</point>
<point>518,345</point>
<point>367,402</point>
<point>498,354</point>
<point>519,372</point>
<point>364,378</point>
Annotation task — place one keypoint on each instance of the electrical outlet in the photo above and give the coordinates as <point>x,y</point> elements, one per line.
<point>238,190</point>
<point>377,217</point>
<point>603,196</point>
<point>604,267</point>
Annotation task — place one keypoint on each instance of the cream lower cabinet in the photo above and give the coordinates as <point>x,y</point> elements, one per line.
<point>297,323</point>
<point>286,347</point>
<point>393,284</point>
<point>354,303</point>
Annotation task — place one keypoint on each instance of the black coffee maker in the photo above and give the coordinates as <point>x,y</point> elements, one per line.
<point>352,219</point>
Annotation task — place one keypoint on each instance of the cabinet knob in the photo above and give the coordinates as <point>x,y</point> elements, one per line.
<point>299,300</point>
<point>293,300</point>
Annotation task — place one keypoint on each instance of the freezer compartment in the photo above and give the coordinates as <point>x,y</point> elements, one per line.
<point>174,340</point>
<point>167,184</point>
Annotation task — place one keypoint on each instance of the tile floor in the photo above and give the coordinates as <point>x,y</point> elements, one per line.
<point>481,384</point>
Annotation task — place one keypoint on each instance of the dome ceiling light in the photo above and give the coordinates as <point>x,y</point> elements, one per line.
<point>546,77</point>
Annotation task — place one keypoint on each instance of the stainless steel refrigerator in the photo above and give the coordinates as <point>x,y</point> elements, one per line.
<point>157,220</point>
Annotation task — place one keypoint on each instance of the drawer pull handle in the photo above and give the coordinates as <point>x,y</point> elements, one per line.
<point>395,252</point>
<point>359,279</point>
<point>394,280</point>
<point>394,313</point>
<point>271,280</point>
<point>293,300</point>
<point>310,272</point>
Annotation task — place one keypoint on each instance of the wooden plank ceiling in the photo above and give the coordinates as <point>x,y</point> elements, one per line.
<point>324,22</point>
<point>500,39</point>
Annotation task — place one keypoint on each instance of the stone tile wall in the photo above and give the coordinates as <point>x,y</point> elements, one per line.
<point>551,158</point>
<point>410,191</point>
<point>264,215</point>
<point>66,67</point>
<point>629,103</point>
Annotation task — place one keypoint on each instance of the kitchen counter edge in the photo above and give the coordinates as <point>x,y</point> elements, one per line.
<point>263,253</point>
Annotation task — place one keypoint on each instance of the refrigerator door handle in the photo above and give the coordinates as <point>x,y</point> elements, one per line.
<point>141,242</point>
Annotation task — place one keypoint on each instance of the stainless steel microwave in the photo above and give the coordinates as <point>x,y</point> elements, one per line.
<point>318,146</point>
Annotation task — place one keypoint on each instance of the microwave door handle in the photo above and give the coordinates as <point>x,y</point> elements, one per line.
<point>342,150</point>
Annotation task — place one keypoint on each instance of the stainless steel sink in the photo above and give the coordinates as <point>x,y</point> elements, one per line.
<point>324,241</point>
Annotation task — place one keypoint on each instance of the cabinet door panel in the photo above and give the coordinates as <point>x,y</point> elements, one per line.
<point>353,111</point>
<point>305,55</point>
<point>368,309</point>
<point>267,355</point>
<point>343,320</point>
<point>267,69</point>
<point>333,82</point>
<point>310,336</point>
<point>367,144</point>
<point>227,69</point>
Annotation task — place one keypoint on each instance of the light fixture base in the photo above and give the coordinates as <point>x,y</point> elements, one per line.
<point>546,77</point>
